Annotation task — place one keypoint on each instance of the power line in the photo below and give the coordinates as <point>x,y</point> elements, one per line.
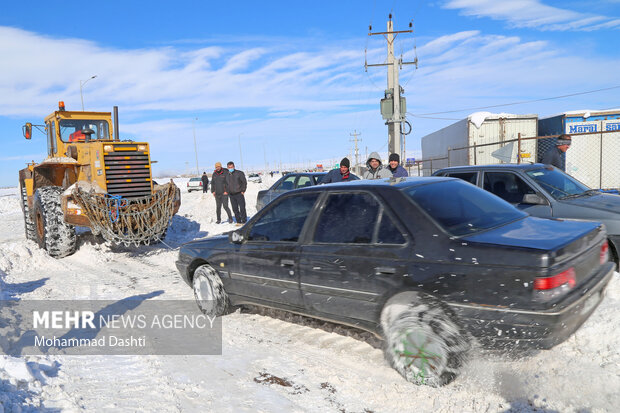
<point>517,103</point>
<point>430,117</point>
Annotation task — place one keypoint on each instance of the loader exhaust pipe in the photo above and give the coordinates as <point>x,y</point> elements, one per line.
<point>116,138</point>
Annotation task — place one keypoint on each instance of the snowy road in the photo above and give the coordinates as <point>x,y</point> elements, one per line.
<point>270,362</point>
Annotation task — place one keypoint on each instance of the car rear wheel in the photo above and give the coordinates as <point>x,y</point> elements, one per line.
<point>209,292</point>
<point>423,341</point>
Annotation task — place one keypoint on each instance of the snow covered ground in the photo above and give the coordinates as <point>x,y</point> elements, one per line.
<point>271,361</point>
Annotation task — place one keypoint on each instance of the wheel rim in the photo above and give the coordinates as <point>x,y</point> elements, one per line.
<point>421,354</point>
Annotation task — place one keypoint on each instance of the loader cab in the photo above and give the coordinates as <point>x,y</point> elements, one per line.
<point>65,128</point>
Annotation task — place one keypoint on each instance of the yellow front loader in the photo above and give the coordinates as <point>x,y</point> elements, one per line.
<point>92,179</point>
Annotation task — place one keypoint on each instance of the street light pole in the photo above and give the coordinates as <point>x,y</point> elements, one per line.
<point>195,147</point>
<point>82,83</point>
<point>240,154</point>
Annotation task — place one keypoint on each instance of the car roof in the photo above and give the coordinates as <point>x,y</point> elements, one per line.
<point>398,183</point>
<point>305,173</point>
<point>511,166</point>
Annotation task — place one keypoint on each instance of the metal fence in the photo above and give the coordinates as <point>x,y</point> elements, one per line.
<point>593,157</point>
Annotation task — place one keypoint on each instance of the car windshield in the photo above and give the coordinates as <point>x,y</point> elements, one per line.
<point>71,129</point>
<point>461,208</point>
<point>559,184</point>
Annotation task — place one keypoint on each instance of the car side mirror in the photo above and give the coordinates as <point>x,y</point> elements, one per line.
<point>27,129</point>
<point>534,199</point>
<point>236,237</point>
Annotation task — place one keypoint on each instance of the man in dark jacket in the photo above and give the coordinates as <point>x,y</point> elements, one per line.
<point>339,175</point>
<point>219,189</point>
<point>237,185</point>
<point>397,170</point>
<point>554,155</point>
<point>205,183</point>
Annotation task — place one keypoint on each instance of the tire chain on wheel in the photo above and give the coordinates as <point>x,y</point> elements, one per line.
<point>421,313</point>
<point>59,239</point>
<point>29,228</point>
<point>220,304</point>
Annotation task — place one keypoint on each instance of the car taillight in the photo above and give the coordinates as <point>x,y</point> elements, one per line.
<point>200,183</point>
<point>604,252</point>
<point>548,283</point>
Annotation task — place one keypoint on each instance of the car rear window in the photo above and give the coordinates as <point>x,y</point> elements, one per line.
<point>195,179</point>
<point>461,208</point>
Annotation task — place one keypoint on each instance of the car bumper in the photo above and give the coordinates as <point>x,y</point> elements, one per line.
<point>507,328</point>
<point>615,239</point>
<point>183,263</point>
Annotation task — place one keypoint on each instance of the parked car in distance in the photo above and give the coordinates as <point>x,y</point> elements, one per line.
<point>255,178</point>
<point>288,182</point>
<point>194,184</point>
<point>546,191</point>
<point>425,263</point>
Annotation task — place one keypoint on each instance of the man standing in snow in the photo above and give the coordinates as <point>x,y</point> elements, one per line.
<point>236,188</point>
<point>343,174</point>
<point>554,155</point>
<point>205,183</point>
<point>220,191</point>
<point>397,170</point>
<point>375,169</point>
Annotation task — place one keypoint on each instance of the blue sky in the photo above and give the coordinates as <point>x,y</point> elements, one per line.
<point>287,79</point>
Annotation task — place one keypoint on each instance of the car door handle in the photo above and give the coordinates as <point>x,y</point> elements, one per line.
<point>287,263</point>
<point>385,270</point>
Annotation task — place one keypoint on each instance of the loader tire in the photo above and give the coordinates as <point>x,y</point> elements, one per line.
<point>51,231</point>
<point>28,221</point>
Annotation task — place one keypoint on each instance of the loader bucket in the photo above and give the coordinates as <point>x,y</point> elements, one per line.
<point>129,221</point>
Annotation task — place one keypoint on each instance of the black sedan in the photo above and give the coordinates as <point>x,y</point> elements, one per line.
<point>426,263</point>
<point>288,182</point>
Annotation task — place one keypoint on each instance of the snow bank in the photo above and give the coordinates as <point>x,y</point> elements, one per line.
<point>271,361</point>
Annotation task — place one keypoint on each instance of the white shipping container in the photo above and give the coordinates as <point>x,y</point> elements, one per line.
<point>448,146</point>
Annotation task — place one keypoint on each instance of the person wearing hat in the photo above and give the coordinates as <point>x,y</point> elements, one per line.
<point>375,169</point>
<point>554,155</point>
<point>343,174</point>
<point>219,189</point>
<point>394,167</point>
<point>205,183</point>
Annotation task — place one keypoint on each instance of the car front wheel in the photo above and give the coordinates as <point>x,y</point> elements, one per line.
<point>209,292</point>
<point>423,341</point>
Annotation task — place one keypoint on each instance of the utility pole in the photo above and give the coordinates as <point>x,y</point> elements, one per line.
<point>391,104</point>
<point>195,146</point>
<point>355,134</point>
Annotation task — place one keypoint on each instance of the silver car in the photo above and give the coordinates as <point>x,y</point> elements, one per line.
<point>546,191</point>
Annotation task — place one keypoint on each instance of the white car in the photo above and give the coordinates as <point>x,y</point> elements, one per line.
<point>255,178</point>
<point>194,184</point>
